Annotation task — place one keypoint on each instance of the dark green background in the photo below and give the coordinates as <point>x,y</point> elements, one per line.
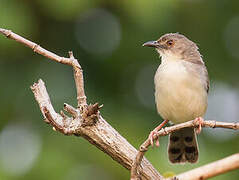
<point>106,37</point>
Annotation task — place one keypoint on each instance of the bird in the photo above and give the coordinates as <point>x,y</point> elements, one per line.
<point>181,93</point>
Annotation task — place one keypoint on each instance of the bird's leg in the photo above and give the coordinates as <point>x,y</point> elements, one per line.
<point>152,133</point>
<point>199,121</point>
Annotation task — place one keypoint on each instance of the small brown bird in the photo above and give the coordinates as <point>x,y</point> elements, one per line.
<point>181,89</point>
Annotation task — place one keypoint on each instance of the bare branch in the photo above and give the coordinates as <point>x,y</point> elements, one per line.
<point>57,121</point>
<point>78,74</point>
<point>210,170</point>
<point>97,132</point>
<point>79,81</point>
<point>167,130</point>
<point>35,47</point>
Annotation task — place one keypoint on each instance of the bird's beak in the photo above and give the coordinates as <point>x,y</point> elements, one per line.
<point>154,44</point>
<point>151,44</point>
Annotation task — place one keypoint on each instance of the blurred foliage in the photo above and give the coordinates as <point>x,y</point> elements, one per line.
<point>120,78</point>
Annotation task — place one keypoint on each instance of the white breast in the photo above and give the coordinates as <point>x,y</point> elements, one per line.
<point>179,94</point>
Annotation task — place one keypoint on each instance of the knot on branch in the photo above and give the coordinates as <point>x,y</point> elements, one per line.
<point>86,115</point>
<point>90,114</point>
<point>142,148</point>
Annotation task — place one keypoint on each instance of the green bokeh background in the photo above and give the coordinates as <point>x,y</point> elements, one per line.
<point>120,77</point>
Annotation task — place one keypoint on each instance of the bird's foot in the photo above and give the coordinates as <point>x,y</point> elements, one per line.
<point>199,121</point>
<point>151,138</point>
<point>154,132</point>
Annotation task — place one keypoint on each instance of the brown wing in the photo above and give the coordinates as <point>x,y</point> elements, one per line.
<point>198,67</point>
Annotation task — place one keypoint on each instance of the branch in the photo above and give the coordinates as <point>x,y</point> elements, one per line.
<point>86,120</point>
<point>78,74</point>
<point>167,130</point>
<point>93,128</point>
<point>210,170</point>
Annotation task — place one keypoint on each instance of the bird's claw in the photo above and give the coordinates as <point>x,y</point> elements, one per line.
<point>154,132</point>
<point>199,121</point>
<point>151,138</point>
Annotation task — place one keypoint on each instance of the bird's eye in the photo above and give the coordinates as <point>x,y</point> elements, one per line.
<point>170,42</point>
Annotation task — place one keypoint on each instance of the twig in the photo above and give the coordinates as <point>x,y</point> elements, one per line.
<point>78,74</point>
<point>79,81</point>
<point>86,120</point>
<point>210,170</point>
<point>74,112</point>
<point>165,131</point>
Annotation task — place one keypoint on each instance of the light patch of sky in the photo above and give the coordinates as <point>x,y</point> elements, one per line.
<point>19,148</point>
<point>223,103</point>
<point>98,32</point>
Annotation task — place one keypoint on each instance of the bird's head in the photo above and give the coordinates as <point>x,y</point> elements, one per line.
<point>175,45</point>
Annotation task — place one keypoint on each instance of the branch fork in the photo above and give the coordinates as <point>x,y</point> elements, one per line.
<point>85,120</point>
